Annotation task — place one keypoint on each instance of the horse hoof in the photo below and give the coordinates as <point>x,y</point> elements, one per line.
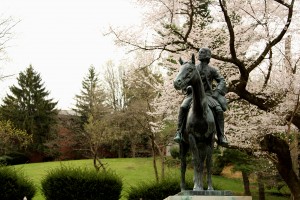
<point>210,188</point>
<point>197,189</point>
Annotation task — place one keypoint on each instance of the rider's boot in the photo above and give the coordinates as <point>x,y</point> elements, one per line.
<point>222,140</point>
<point>180,124</point>
<point>177,137</point>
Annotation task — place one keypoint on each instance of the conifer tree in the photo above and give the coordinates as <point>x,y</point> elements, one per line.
<point>91,97</point>
<point>29,108</point>
<point>91,109</point>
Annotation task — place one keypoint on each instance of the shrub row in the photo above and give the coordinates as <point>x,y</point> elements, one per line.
<point>61,184</point>
<point>81,184</point>
<point>14,185</point>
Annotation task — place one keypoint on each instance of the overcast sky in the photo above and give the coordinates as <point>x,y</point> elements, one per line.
<point>61,39</point>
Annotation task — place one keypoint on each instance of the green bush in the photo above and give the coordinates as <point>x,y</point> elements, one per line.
<point>155,191</point>
<point>218,162</point>
<point>174,151</point>
<point>77,183</point>
<point>175,154</point>
<point>14,185</point>
<point>217,167</point>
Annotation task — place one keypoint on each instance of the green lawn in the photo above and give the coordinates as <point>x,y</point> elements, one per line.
<point>132,171</point>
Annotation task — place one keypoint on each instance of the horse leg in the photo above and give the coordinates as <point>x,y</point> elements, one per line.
<point>197,164</point>
<point>202,156</point>
<point>209,165</point>
<point>183,153</point>
<point>209,161</point>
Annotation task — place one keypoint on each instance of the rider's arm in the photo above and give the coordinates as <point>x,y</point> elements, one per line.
<point>221,86</point>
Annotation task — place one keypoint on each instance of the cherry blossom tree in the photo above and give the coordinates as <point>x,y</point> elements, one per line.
<point>243,36</point>
<point>249,43</point>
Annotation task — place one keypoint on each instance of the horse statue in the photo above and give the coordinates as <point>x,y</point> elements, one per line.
<point>199,132</point>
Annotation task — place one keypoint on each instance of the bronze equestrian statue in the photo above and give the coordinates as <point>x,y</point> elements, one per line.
<point>198,127</point>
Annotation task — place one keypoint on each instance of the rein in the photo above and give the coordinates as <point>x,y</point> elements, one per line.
<point>204,108</point>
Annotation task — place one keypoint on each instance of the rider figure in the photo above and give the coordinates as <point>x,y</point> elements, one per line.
<point>216,99</point>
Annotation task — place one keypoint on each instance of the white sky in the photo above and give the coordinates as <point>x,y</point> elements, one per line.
<point>62,39</point>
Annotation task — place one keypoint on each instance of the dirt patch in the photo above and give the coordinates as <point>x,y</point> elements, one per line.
<point>130,167</point>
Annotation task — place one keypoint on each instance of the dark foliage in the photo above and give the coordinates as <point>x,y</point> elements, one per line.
<point>14,185</point>
<point>14,159</point>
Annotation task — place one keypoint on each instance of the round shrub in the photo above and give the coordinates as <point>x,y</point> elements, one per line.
<point>174,151</point>
<point>14,185</point>
<point>154,190</point>
<point>81,184</point>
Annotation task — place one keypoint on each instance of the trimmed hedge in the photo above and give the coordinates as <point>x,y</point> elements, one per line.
<point>14,185</point>
<point>81,184</point>
<point>155,191</point>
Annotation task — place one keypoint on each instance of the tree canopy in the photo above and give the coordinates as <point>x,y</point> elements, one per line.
<point>29,108</point>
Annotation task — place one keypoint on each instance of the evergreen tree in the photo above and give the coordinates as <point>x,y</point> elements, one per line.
<point>91,97</point>
<point>29,109</point>
<point>91,109</point>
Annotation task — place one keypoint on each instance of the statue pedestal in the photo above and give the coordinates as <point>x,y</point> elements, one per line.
<point>207,195</point>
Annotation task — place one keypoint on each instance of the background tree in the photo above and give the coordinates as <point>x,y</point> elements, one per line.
<point>90,107</point>
<point>97,135</point>
<point>12,139</point>
<point>114,82</point>
<point>142,85</point>
<point>29,108</point>
<point>6,26</point>
<point>91,95</point>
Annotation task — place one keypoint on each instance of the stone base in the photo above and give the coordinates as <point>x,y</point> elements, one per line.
<point>207,195</point>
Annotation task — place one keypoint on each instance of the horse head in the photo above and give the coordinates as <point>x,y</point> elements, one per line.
<point>185,74</point>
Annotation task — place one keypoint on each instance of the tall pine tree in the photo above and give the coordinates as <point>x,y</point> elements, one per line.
<point>91,99</point>
<point>91,108</point>
<point>29,108</point>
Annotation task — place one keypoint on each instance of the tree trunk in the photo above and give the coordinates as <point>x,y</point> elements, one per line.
<point>133,149</point>
<point>154,158</point>
<point>120,149</point>
<point>162,157</point>
<point>97,162</point>
<point>261,187</point>
<point>284,164</point>
<point>246,182</point>
<point>298,171</point>
<point>294,152</point>
<point>288,55</point>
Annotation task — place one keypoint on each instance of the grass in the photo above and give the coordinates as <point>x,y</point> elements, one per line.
<point>133,171</point>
